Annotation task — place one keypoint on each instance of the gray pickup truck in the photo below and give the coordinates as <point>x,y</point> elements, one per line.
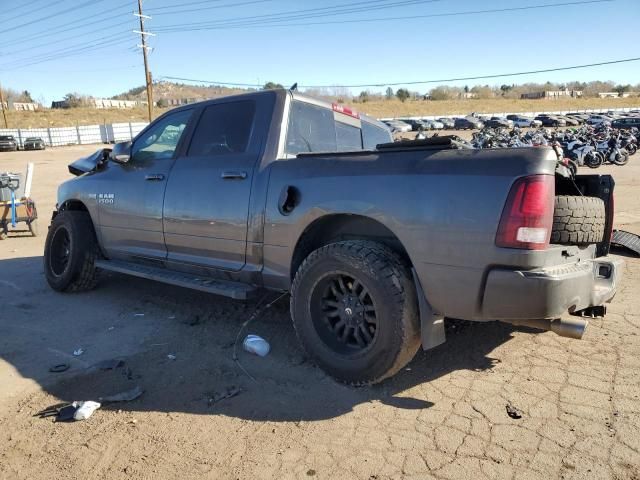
<point>377,242</point>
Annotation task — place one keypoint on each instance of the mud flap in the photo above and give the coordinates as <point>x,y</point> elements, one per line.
<point>431,323</point>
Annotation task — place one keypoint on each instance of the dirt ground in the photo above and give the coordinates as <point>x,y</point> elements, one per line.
<point>442,417</point>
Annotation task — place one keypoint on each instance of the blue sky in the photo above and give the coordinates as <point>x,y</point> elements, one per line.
<point>46,49</point>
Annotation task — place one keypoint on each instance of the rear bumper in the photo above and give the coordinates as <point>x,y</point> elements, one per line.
<point>549,292</point>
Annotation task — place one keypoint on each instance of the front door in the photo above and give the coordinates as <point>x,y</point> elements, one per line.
<point>206,205</point>
<point>130,195</point>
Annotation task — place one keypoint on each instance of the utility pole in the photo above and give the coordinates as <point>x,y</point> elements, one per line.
<point>147,73</point>
<point>4,108</point>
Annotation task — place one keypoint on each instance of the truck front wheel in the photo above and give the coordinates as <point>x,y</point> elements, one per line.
<point>355,311</point>
<point>70,252</point>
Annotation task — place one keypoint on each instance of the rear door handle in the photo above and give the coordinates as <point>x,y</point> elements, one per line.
<point>154,177</point>
<point>234,175</point>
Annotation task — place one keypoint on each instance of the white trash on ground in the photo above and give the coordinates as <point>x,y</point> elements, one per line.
<point>257,345</point>
<point>85,409</point>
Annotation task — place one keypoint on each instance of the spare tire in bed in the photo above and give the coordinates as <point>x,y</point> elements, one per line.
<point>578,220</point>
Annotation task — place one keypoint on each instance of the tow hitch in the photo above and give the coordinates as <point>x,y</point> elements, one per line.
<point>591,312</point>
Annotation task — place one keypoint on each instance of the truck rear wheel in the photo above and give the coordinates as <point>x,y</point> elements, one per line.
<point>578,220</point>
<point>355,311</point>
<point>70,252</point>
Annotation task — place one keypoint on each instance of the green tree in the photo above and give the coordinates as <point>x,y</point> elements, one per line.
<point>441,93</point>
<point>364,96</point>
<point>622,89</point>
<point>389,93</point>
<point>75,99</point>
<point>26,96</point>
<point>403,94</point>
<point>271,86</point>
<point>162,103</point>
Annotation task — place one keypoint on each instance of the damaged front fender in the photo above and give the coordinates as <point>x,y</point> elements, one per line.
<point>90,163</point>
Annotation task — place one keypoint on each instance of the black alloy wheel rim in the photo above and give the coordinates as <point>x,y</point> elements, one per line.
<point>344,314</point>
<point>60,251</point>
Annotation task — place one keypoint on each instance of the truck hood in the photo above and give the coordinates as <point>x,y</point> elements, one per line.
<point>89,163</point>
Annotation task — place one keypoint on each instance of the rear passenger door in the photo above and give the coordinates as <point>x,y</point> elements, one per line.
<point>206,204</point>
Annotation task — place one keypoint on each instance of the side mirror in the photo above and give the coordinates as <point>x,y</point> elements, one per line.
<point>121,152</point>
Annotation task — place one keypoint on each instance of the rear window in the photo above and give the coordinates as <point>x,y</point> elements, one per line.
<point>311,129</point>
<point>6,137</point>
<point>223,129</point>
<point>348,137</point>
<point>317,129</point>
<point>373,135</point>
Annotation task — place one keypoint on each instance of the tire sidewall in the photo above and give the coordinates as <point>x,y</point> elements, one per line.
<point>64,221</point>
<point>379,357</point>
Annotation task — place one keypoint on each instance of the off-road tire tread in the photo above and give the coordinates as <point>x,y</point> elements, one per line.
<point>578,220</point>
<point>386,265</point>
<point>87,276</point>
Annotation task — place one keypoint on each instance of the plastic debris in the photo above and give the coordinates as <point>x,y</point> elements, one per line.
<point>78,352</point>
<point>66,412</point>
<point>138,314</point>
<point>513,412</point>
<point>85,409</point>
<point>61,367</point>
<point>228,393</point>
<point>626,240</point>
<point>256,345</point>
<point>171,356</point>
<point>127,396</point>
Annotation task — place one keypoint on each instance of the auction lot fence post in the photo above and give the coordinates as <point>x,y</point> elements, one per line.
<point>78,135</point>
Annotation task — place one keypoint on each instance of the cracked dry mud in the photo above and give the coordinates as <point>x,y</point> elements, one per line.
<point>443,417</point>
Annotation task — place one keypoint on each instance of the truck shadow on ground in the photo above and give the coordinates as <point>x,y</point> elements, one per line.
<point>178,346</point>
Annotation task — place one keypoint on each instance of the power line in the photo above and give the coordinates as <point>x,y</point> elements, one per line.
<point>65,27</point>
<point>60,40</point>
<point>272,22</point>
<point>61,51</point>
<point>354,7</point>
<point>214,7</point>
<point>48,17</point>
<point>183,5</point>
<point>421,82</point>
<point>69,53</point>
<point>7,20</point>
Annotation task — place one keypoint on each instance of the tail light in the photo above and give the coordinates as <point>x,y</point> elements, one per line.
<point>527,217</point>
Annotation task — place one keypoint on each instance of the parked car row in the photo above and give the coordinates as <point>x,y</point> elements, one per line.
<point>8,143</point>
<point>477,122</point>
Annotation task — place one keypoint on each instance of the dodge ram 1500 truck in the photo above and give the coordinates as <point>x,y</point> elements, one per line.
<point>377,242</point>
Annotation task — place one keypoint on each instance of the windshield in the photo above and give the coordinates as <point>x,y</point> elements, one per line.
<point>33,139</point>
<point>6,137</point>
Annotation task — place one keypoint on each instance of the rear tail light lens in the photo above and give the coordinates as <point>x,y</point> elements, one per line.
<point>527,217</point>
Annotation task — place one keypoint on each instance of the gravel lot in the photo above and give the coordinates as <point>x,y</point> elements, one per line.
<point>443,417</point>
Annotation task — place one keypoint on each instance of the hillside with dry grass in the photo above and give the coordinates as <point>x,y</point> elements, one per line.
<point>375,108</point>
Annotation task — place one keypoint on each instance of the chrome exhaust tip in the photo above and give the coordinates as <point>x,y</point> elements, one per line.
<point>569,327</point>
<point>565,327</point>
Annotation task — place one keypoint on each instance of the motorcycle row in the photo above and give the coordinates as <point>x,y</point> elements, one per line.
<point>586,146</point>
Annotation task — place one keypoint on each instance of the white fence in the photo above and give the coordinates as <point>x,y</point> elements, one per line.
<point>79,135</point>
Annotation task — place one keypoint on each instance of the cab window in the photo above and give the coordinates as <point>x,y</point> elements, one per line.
<point>161,139</point>
<point>223,129</point>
